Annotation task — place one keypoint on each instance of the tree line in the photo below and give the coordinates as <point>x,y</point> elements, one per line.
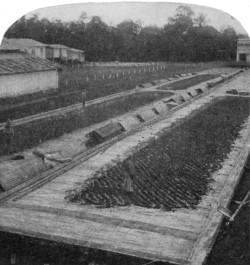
<point>186,37</point>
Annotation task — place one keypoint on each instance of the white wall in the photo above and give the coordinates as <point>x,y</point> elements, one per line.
<point>56,52</point>
<point>20,84</point>
<point>38,51</point>
<point>64,53</point>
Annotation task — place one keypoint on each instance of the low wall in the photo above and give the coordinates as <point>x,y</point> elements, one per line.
<point>20,84</point>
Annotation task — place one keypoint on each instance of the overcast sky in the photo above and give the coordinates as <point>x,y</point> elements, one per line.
<point>147,13</point>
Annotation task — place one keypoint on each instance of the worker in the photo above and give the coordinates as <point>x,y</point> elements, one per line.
<point>83,99</point>
<point>8,137</point>
<point>129,175</point>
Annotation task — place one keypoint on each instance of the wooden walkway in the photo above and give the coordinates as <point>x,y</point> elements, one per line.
<point>181,237</point>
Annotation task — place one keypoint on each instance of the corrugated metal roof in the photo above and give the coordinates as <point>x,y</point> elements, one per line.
<point>22,44</point>
<point>24,64</point>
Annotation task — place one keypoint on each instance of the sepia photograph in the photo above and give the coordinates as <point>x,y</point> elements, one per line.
<point>124,134</point>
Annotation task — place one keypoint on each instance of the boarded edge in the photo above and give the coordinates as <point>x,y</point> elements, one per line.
<point>207,237</point>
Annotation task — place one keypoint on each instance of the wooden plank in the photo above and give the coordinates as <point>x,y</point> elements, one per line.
<point>151,245</point>
<point>116,221</point>
<point>191,220</point>
<point>207,236</point>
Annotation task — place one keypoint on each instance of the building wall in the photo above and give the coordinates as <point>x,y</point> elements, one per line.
<point>72,55</point>
<point>82,57</point>
<point>37,51</point>
<point>76,55</point>
<point>56,53</point>
<point>26,83</point>
<point>64,53</point>
<point>243,47</point>
<point>49,53</point>
<point>60,53</point>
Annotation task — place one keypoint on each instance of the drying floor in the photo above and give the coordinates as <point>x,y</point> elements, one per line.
<point>182,236</point>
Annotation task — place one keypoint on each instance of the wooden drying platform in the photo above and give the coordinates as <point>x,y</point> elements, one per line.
<point>181,237</point>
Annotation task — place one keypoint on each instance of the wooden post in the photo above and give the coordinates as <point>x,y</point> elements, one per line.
<point>83,99</point>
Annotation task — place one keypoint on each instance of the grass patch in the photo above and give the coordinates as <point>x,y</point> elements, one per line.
<point>103,81</point>
<point>97,81</point>
<point>40,105</point>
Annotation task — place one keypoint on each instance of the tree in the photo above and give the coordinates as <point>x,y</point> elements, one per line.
<point>129,31</point>
<point>186,37</point>
<point>183,20</point>
<point>228,43</point>
<point>200,20</point>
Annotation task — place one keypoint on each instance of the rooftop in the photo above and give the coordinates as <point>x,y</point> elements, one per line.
<point>75,50</point>
<point>243,40</point>
<point>17,63</point>
<point>59,46</point>
<point>21,44</point>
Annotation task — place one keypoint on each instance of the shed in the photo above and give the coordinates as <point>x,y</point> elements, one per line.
<point>31,46</point>
<point>193,92</point>
<point>21,73</point>
<point>161,107</point>
<point>129,123</point>
<point>16,172</point>
<point>75,55</point>
<point>156,82</point>
<point>186,96</point>
<point>59,51</point>
<point>243,50</point>
<point>146,115</point>
<point>147,85</point>
<point>105,132</point>
<point>42,50</point>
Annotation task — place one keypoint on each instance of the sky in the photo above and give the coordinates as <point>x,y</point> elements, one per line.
<point>148,13</point>
<point>12,10</point>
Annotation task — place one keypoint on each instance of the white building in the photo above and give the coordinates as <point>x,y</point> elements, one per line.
<point>59,51</point>
<point>21,73</point>
<point>76,55</point>
<point>45,51</point>
<point>31,46</point>
<point>243,50</point>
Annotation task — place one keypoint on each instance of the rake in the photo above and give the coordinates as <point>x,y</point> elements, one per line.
<point>228,214</point>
